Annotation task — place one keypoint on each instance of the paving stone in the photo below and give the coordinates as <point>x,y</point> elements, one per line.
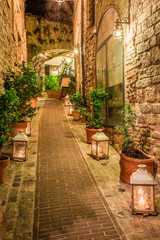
<point>67,196</point>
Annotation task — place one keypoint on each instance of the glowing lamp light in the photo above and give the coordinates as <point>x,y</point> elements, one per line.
<point>143,191</point>
<point>100,145</point>
<point>70,109</point>
<point>118,31</point>
<point>20,146</point>
<point>75,51</point>
<point>66,100</point>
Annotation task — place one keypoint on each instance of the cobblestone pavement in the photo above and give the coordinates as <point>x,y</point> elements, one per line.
<point>69,204</point>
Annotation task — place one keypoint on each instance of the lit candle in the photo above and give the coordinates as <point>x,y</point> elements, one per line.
<point>21,153</point>
<point>142,203</point>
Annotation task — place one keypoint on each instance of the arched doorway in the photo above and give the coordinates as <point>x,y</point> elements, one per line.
<point>110,66</point>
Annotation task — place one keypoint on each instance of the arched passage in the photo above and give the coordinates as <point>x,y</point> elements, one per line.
<point>110,66</point>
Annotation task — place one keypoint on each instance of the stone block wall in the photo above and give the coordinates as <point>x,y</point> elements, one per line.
<point>12,35</point>
<point>43,34</point>
<point>141,64</point>
<point>142,71</point>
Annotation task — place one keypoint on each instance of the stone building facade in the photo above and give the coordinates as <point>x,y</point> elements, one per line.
<point>44,34</point>
<point>141,58</point>
<point>12,35</point>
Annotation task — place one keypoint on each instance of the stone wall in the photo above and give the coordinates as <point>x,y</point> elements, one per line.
<point>141,63</point>
<point>12,35</point>
<point>43,34</point>
<point>142,71</point>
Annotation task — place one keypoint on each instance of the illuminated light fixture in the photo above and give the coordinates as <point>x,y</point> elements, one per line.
<point>68,60</point>
<point>59,1</point>
<point>76,51</point>
<point>20,146</point>
<point>66,100</point>
<point>143,191</point>
<point>118,30</point>
<point>100,145</point>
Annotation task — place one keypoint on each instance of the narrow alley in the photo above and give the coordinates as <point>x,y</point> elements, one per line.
<point>69,204</point>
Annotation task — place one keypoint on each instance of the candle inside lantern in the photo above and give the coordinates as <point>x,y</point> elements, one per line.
<point>142,203</point>
<point>21,153</point>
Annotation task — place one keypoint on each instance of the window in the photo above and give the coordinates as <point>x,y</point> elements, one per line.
<point>109,67</point>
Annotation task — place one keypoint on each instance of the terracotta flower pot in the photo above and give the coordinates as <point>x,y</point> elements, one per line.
<point>4,162</point>
<point>19,126</point>
<point>34,102</point>
<point>76,115</point>
<point>129,165</point>
<point>90,133</point>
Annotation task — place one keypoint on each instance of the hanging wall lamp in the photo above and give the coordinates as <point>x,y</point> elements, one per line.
<point>118,30</point>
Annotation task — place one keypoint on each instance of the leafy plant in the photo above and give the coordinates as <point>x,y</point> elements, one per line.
<point>27,85</point>
<point>127,128</point>
<point>9,114</point>
<point>68,71</point>
<point>52,83</point>
<point>78,101</point>
<point>95,105</point>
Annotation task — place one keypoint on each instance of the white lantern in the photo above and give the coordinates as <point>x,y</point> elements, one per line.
<point>70,109</point>
<point>28,128</point>
<point>66,100</point>
<point>20,146</point>
<point>100,145</point>
<point>143,191</point>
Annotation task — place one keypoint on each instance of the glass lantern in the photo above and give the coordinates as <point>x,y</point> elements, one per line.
<point>70,109</point>
<point>66,100</point>
<point>100,145</point>
<point>20,146</point>
<point>143,191</point>
<point>28,128</point>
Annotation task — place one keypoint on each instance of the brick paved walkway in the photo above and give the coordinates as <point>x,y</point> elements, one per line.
<point>68,204</point>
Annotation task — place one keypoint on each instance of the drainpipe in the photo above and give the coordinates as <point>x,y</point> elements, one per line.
<point>82,48</point>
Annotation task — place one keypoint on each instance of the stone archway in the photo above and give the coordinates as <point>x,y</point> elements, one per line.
<point>110,66</point>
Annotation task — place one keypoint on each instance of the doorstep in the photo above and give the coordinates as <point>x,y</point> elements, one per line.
<point>116,193</point>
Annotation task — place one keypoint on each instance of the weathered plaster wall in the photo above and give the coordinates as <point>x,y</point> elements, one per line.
<point>12,35</point>
<point>43,34</point>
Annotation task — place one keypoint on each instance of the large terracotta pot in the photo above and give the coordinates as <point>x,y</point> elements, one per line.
<point>34,102</point>
<point>19,126</point>
<point>129,165</point>
<point>90,133</point>
<point>4,162</point>
<point>76,115</point>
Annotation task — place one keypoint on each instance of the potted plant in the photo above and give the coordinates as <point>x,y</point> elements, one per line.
<point>93,112</point>
<point>8,114</point>
<point>52,87</point>
<point>77,100</point>
<point>27,85</point>
<point>131,155</point>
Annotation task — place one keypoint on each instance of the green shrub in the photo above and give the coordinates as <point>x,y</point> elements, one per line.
<point>77,100</point>
<point>95,106</point>
<point>127,128</point>
<point>9,114</point>
<point>52,83</point>
<point>27,85</point>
